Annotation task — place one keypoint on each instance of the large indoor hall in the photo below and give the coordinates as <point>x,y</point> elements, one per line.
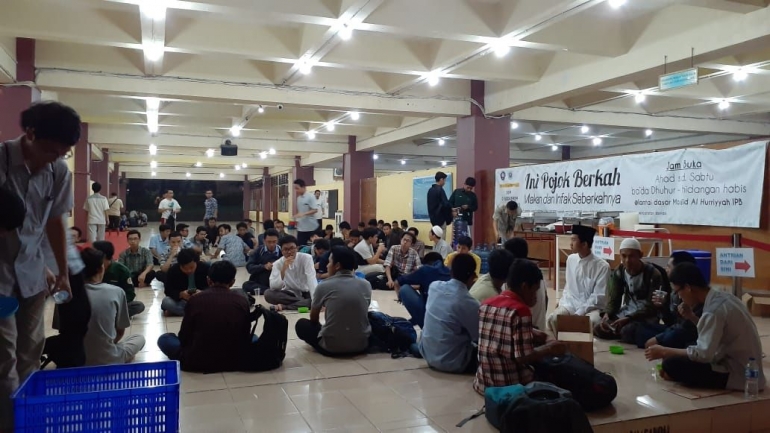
<point>230,216</point>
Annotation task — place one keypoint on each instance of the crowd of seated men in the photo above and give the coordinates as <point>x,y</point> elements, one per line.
<point>493,326</point>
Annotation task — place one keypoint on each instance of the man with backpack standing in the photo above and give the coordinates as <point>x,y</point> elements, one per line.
<point>31,167</point>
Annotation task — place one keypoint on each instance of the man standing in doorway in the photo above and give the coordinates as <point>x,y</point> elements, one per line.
<point>97,207</point>
<point>169,208</point>
<point>31,167</point>
<point>113,214</point>
<point>439,210</point>
<point>212,207</point>
<point>464,202</point>
<point>307,209</point>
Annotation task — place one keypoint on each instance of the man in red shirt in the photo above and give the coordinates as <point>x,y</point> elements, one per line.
<point>508,343</point>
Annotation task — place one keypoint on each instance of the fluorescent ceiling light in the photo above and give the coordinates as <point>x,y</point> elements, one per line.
<point>237,167</point>
<point>154,51</point>
<point>153,174</point>
<point>616,3</point>
<point>153,149</point>
<point>210,153</point>
<point>403,162</point>
<point>639,97</point>
<point>311,135</point>
<point>433,78</point>
<point>153,104</point>
<point>375,157</point>
<point>271,152</point>
<point>261,109</point>
<point>724,104</point>
<point>330,126</point>
<point>263,155</point>
<point>305,68</point>
<point>188,174</point>
<point>502,49</point>
<point>354,115</point>
<point>155,9</point>
<point>441,142</point>
<point>244,165</point>
<point>345,33</point>
<point>443,163</point>
<point>597,141</point>
<point>648,132</point>
<point>198,164</point>
<point>235,131</point>
<point>740,74</point>
<point>514,125</point>
<point>584,129</point>
<point>554,147</point>
<point>153,164</point>
<point>538,137</point>
<point>221,175</point>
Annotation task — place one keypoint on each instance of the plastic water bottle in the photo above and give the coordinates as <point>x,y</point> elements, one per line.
<point>752,379</point>
<point>61,296</point>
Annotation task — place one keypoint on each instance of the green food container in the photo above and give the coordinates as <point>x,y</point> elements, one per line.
<point>617,350</point>
<point>303,309</point>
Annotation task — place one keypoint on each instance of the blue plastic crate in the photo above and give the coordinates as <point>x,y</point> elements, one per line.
<point>137,398</point>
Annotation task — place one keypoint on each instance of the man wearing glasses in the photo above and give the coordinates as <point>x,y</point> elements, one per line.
<point>464,202</point>
<point>292,278</point>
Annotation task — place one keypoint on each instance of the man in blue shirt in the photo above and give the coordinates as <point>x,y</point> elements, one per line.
<point>451,329</point>
<point>260,263</point>
<point>432,269</point>
<point>159,243</point>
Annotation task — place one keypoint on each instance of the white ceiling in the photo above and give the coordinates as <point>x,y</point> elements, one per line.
<point>569,63</point>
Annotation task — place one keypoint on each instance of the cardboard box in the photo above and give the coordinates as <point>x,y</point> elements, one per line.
<point>576,332</point>
<point>758,303</point>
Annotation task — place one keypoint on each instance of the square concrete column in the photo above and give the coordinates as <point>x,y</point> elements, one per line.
<point>14,100</point>
<point>267,195</point>
<point>82,176</point>
<point>246,197</point>
<point>356,166</point>
<point>100,172</point>
<point>483,146</point>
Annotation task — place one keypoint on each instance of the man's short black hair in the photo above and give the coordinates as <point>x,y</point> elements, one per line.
<point>470,181</point>
<point>414,229</point>
<point>410,236</point>
<point>440,175</point>
<point>523,271</point>
<point>687,274</point>
<point>201,229</point>
<point>276,222</point>
<point>174,235</point>
<point>322,244</point>
<point>431,258</point>
<point>465,241</point>
<point>248,221</point>
<point>500,262</point>
<point>80,232</point>
<point>14,210</point>
<point>213,219</point>
<point>369,233</point>
<point>518,247</point>
<point>222,272</point>
<point>404,223</point>
<point>683,257</point>
<point>355,234</point>
<point>361,224</point>
<point>128,235</point>
<point>225,226</point>
<point>267,225</point>
<point>336,242</point>
<point>299,182</point>
<point>463,267</point>
<point>373,222</point>
<point>186,256</point>
<point>241,226</point>
<point>96,187</point>
<point>386,225</point>
<point>344,225</point>
<point>380,222</point>
<point>329,227</point>
<point>318,190</point>
<point>344,257</point>
<point>181,226</point>
<point>106,248</point>
<point>52,121</point>
<point>93,260</point>
<point>271,232</point>
<point>113,194</point>
<point>512,205</point>
<point>164,227</point>
<point>288,239</point>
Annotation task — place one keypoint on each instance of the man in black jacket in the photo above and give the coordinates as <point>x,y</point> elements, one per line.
<point>439,209</point>
<point>184,278</point>
<point>261,263</point>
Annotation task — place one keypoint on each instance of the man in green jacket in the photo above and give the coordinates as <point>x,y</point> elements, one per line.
<point>117,274</point>
<point>629,296</point>
<point>464,201</point>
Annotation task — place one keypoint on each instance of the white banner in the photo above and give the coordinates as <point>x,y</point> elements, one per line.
<point>689,186</point>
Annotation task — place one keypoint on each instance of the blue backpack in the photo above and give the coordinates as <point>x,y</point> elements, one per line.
<point>392,334</point>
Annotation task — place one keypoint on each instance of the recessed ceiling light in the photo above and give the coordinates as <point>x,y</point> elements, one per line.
<point>403,162</point>
<point>311,135</point>
<point>153,104</point>
<point>345,33</point>
<point>584,129</point>
<point>538,137</point>
<point>648,132</point>
<point>221,175</point>
<point>198,164</point>
<point>154,51</point>
<point>354,115</point>
<point>443,163</point>
<point>724,104</point>
<point>740,74</point>
<point>188,174</point>
<point>271,152</point>
<point>153,164</point>
<point>502,49</point>
<point>433,78</point>
<point>597,141</point>
<point>261,109</point>
<point>330,126</point>
<point>375,156</point>
<point>617,3</point>
<point>235,131</point>
<point>441,142</point>
<point>554,147</point>
<point>514,125</point>
<point>263,155</point>
<point>237,167</point>
<point>210,153</point>
<point>154,9</point>
<point>305,68</point>
<point>244,165</point>
<point>153,174</point>
<point>640,97</point>
<point>153,149</point>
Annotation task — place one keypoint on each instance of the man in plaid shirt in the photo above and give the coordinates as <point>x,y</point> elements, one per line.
<point>508,343</point>
<point>401,260</point>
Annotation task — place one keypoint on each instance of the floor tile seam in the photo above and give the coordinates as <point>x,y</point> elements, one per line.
<point>324,378</point>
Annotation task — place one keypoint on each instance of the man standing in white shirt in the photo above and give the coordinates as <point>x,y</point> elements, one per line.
<point>97,207</point>
<point>293,278</point>
<point>585,283</point>
<point>168,208</point>
<point>307,212</point>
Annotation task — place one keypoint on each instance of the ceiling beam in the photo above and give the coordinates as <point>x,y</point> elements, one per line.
<point>182,176</point>
<point>642,121</point>
<point>732,35</point>
<point>652,145</point>
<point>418,129</point>
<point>153,23</point>
<point>246,93</point>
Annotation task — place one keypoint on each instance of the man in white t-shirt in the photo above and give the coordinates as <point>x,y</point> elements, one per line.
<point>116,205</point>
<point>293,277</point>
<point>168,208</point>
<point>365,248</point>
<point>97,207</point>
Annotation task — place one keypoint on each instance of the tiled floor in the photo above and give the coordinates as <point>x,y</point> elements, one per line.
<point>376,393</point>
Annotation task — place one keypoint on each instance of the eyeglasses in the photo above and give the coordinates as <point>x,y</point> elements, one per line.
<point>289,249</point>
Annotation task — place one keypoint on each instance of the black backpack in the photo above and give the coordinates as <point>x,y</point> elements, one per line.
<point>378,281</point>
<point>270,349</point>
<point>392,334</point>
<point>590,387</point>
<point>544,408</point>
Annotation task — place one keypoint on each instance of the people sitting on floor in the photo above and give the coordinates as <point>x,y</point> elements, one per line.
<point>216,329</point>
<point>440,246</point>
<point>76,235</point>
<point>184,278</point>
<point>464,246</point>
<point>169,259</point>
<point>345,230</point>
<point>585,282</point>
<point>401,260</point>
<point>418,245</point>
<point>267,225</point>
<point>345,300</point>
<point>246,236</point>
<point>451,327</point>
<point>321,252</point>
<point>260,263</point>
<point>354,237</point>
<point>212,232</point>
<point>109,317</point>
<point>234,248</point>
<point>508,343</point>
<point>680,322</point>
<point>159,243</point>
<point>371,258</point>
<point>117,274</point>
<point>520,250</point>
<point>310,247</point>
<point>380,234</point>
<point>491,284</point>
<point>292,279</point>
<point>250,227</point>
<point>138,260</point>
<point>414,287</point>
<point>361,226</point>
<point>391,237</point>
<point>281,228</point>
<point>184,230</point>
<point>200,242</point>
<point>727,337</point>
<point>629,297</point>
<point>329,232</point>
